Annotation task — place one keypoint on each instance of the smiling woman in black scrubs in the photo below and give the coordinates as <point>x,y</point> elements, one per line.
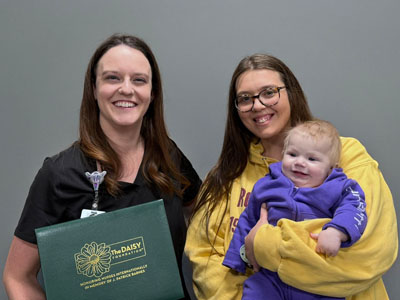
<point>122,132</point>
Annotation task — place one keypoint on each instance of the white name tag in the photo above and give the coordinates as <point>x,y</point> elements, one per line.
<point>90,213</point>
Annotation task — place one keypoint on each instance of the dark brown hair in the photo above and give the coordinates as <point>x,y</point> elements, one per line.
<point>158,165</point>
<point>235,150</point>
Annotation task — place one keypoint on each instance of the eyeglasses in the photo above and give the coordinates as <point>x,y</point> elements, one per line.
<point>267,97</point>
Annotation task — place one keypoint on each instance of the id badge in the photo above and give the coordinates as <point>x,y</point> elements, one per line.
<point>90,213</point>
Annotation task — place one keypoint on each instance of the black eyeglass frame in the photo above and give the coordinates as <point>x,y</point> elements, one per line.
<point>277,91</point>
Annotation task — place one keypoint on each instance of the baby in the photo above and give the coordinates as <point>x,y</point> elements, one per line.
<point>306,184</point>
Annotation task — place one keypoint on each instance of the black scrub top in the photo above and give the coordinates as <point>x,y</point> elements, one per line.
<point>61,190</point>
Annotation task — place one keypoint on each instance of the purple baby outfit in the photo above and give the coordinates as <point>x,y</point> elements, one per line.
<point>339,198</point>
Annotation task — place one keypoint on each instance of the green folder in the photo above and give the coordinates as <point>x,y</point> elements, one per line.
<point>124,254</point>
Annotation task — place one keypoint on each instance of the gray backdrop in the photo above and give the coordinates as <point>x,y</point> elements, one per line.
<point>344,53</point>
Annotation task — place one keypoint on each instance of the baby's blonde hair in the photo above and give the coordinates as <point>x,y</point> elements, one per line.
<point>317,130</point>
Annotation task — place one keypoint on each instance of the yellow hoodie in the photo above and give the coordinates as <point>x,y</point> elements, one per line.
<point>287,249</point>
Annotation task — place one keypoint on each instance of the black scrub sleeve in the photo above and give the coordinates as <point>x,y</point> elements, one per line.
<point>41,206</point>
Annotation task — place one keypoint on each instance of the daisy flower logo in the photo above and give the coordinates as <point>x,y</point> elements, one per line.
<point>93,260</point>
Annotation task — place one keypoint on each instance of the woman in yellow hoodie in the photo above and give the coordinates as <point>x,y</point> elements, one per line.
<point>253,140</point>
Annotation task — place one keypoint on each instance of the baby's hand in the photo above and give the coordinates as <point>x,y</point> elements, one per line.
<point>329,241</point>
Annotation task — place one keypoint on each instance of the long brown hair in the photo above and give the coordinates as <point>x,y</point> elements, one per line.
<point>235,150</point>
<point>158,165</point>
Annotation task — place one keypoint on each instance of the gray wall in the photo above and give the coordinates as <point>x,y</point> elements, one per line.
<point>344,53</point>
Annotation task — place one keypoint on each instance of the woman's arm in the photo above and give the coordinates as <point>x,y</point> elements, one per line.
<point>20,272</point>
<point>212,280</point>
<point>289,250</point>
